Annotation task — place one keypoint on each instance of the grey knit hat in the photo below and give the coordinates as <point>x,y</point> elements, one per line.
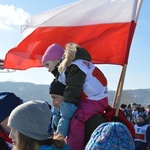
<point>32,119</point>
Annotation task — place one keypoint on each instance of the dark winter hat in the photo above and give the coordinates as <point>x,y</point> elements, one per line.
<point>53,52</point>
<point>8,101</point>
<point>123,106</point>
<point>111,136</point>
<point>56,87</point>
<point>143,115</point>
<point>32,118</point>
<point>129,106</point>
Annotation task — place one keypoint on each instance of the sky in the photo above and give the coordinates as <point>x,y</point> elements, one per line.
<point>13,14</point>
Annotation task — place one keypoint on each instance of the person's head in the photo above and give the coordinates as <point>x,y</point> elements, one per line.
<point>52,56</point>
<point>148,106</point>
<point>110,135</point>
<point>142,117</point>
<point>134,106</point>
<point>129,106</point>
<point>8,101</point>
<point>30,120</point>
<point>123,106</point>
<point>56,91</point>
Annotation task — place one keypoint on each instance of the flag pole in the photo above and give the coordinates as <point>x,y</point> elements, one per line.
<point>117,98</point>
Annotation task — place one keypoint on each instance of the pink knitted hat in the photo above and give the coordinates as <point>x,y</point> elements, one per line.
<point>53,52</point>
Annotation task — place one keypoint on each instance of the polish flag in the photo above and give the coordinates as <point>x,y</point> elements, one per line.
<point>104,27</point>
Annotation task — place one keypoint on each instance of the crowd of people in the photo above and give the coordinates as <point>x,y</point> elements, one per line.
<point>132,111</point>
<point>29,126</point>
<point>140,117</point>
<point>75,119</point>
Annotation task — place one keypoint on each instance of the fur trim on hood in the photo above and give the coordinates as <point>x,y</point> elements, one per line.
<point>73,52</point>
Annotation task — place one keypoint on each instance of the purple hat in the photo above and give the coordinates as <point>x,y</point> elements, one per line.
<point>53,52</point>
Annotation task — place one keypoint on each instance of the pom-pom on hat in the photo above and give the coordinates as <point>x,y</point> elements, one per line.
<point>8,101</point>
<point>57,88</point>
<point>53,52</point>
<point>111,136</point>
<point>32,118</point>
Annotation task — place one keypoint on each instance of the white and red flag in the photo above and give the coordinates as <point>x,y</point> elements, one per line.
<point>104,27</point>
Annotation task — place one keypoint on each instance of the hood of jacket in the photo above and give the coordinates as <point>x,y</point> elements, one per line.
<point>73,52</point>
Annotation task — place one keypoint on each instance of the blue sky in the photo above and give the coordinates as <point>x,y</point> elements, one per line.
<point>13,13</point>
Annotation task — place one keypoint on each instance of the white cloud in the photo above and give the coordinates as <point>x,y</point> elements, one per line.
<point>10,16</point>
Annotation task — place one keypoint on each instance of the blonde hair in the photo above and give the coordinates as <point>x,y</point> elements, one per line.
<point>70,52</point>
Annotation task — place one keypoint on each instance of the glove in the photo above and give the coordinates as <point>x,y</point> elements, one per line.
<point>67,110</point>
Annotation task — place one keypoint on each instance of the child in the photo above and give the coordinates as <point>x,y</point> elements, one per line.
<point>134,107</point>
<point>86,91</point>
<point>30,128</point>
<point>142,132</point>
<point>128,112</point>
